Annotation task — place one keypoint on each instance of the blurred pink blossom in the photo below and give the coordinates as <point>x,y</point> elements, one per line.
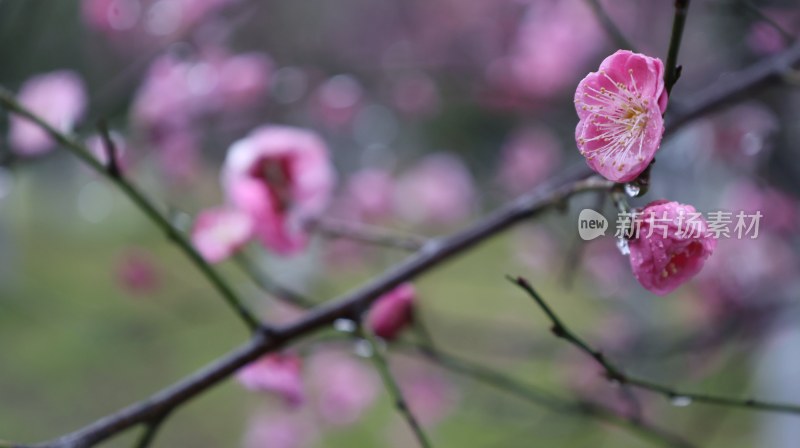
<point>345,387</point>
<point>437,191</point>
<point>337,100</point>
<point>178,154</point>
<point>764,38</point>
<point>280,176</point>
<point>429,395</point>
<point>176,91</point>
<point>137,273</point>
<point>370,193</point>
<point>415,94</point>
<point>219,232</point>
<point>59,98</point>
<point>392,312</point>
<point>111,15</point>
<point>668,250</point>
<point>554,43</point>
<point>741,132</point>
<point>527,159</point>
<point>780,212</point>
<point>278,430</point>
<point>280,374</point>
<point>620,109</point>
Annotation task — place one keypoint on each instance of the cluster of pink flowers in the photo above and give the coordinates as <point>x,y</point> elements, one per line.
<point>621,124</point>
<point>275,179</point>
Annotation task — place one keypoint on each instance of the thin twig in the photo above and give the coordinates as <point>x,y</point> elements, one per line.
<point>269,285</point>
<point>672,71</point>
<point>614,373</point>
<point>78,149</point>
<point>150,431</point>
<point>541,397</point>
<point>365,233</point>
<point>400,403</point>
<point>110,148</point>
<point>611,28</point>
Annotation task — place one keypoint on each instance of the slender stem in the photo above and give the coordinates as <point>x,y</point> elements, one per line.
<point>615,373</point>
<point>611,28</point>
<point>270,285</point>
<point>382,365</point>
<point>231,298</point>
<point>367,234</point>
<point>671,71</point>
<point>541,397</point>
<point>150,431</point>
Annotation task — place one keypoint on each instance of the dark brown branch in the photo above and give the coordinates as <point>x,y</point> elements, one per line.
<point>616,374</point>
<point>672,71</point>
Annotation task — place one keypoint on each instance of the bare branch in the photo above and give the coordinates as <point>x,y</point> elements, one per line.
<point>614,373</point>
<point>367,234</point>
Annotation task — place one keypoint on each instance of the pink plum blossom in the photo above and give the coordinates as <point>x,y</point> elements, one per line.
<point>275,373</point>
<point>244,79</point>
<point>439,190</point>
<point>527,159</point>
<point>57,97</point>
<point>554,43</point>
<point>621,109</point>
<point>345,387</point>
<point>392,312</point>
<point>280,176</point>
<point>337,100</point>
<point>669,250</point>
<point>370,192</point>
<point>278,430</point>
<point>218,233</point>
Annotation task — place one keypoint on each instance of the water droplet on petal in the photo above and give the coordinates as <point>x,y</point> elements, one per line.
<point>622,245</point>
<point>344,325</point>
<point>680,401</point>
<point>632,190</point>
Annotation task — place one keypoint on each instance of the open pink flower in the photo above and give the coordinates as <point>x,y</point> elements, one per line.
<point>280,176</point>
<point>621,109</point>
<point>275,373</point>
<point>59,98</point>
<point>392,312</point>
<point>672,245</point>
<point>218,233</point>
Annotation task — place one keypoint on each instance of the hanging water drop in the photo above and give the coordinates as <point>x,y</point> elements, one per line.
<point>344,325</point>
<point>681,401</point>
<point>632,190</point>
<point>622,245</point>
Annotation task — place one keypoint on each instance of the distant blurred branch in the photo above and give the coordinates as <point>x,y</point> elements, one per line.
<point>732,87</point>
<point>788,37</point>
<point>615,374</point>
<point>365,233</point>
<point>611,28</point>
<point>270,285</point>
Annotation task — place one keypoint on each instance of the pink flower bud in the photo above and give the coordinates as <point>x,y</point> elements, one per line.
<point>218,233</point>
<point>621,109</point>
<point>392,312</point>
<point>672,245</point>
<point>275,373</point>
